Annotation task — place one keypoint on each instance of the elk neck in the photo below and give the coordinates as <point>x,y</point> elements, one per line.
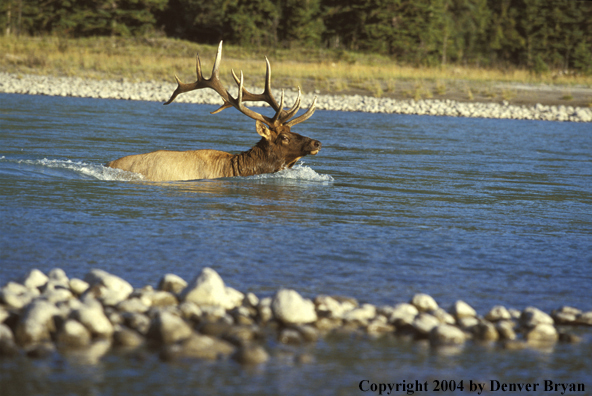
<point>259,159</point>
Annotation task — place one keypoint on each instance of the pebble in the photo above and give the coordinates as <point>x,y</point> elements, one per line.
<point>209,320</point>
<point>160,92</point>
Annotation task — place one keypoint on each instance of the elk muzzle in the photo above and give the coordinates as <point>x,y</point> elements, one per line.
<point>314,147</point>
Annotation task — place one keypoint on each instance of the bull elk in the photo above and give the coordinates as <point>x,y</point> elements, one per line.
<point>279,147</point>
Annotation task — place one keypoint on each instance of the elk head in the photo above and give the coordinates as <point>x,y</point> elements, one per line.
<point>281,146</point>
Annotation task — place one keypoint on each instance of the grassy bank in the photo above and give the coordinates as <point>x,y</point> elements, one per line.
<point>328,71</point>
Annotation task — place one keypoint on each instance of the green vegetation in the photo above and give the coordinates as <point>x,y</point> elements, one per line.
<point>537,35</point>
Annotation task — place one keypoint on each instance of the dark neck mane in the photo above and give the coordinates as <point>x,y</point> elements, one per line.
<point>259,159</point>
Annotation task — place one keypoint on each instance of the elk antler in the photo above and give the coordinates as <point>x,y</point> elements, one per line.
<point>281,116</point>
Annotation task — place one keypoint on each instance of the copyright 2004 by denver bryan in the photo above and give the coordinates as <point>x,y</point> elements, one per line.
<point>474,387</point>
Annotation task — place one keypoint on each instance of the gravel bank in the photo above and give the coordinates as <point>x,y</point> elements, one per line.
<point>160,92</point>
<point>41,314</point>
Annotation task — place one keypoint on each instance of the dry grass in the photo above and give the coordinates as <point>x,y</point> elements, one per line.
<point>158,59</point>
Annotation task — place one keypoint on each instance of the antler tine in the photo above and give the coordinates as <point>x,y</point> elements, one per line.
<point>290,113</point>
<point>304,116</point>
<point>213,82</point>
<point>238,104</point>
<point>279,110</point>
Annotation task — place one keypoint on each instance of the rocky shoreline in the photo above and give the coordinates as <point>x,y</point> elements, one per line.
<point>160,92</point>
<point>41,315</point>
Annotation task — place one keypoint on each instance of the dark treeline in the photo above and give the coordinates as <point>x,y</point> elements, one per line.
<point>537,34</point>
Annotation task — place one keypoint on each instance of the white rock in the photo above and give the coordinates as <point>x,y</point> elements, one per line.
<point>91,315</point>
<point>107,288</point>
<point>461,309</point>
<point>78,286</point>
<point>167,328</point>
<point>73,334</point>
<point>35,279</point>
<point>58,277</point>
<point>172,283</point>
<point>498,312</point>
<point>424,302</point>
<point>424,323</point>
<point>209,289</point>
<point>532,316</point>
<point>37,323</point>
<point>543,332</point>
<point>403,314</point>
<point>363,314</point>
<point>445,334</point>
<point>290,308</point>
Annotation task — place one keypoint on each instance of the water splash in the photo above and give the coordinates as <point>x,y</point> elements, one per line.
<point>298,172</point>
<point>96,171</point>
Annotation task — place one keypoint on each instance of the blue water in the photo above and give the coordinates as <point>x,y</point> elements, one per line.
<point>486,211</point>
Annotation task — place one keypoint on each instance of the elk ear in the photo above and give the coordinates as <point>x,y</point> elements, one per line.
<point>263,130</point>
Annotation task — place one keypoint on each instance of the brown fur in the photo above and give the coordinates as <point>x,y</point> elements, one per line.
<point>278,149</point>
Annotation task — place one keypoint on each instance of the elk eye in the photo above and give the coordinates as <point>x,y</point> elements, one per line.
<point>285,139</point>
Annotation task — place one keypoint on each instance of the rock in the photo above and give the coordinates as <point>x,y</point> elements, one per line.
<point>137,321</point>
<point>126,337</point>
<point>461,309</point>
<point>251,300</point>
<point>424,323</point>
<point>377,327</point>
<point>363,314</point>
<point>4,314</point>
<point>290,308</point>
<point>424,302</point>
<point>37,323</point>
<point>443,316</point>
<point>92,316</point>
<point>543,333</point>
<point>73,334</point>
<point>17,296</point>
<point>190,311</point>
<point>107,288</point>
<point>35,279</point>
<point>41,350</point>
<point>533,316</point>
<point>199,347</point>
<point>497,313</point>
<point>215,329</point>
<point>485,331</point>
<point>8,347</point>
<point>242,335</point>
<point>78,286</point>
<point>565,315</point>
<point>467,323</point>
<point>158,298</point>
<point>251,355</point>
<point>172,283</point>
<point>56,295</point>
<point>403,314</point>
<point>58,276</point>
<point>327,306</point>
<point>209,289</point>
<point>328,324</point>
<point>445,334</point>
<point>290,336</point>
<point>167,328</point>
<point>132,305</point>
<point>584,319</point>
<point>505,329</point>
<point>569,337</point>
